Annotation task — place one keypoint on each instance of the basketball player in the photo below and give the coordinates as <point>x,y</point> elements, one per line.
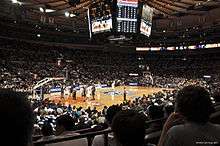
<point>125,94</point>
<point>74,94</point>
<point>113,85</point>
<point>62,92</point>
<point>42,93</point>
<point>93,92</point>
<point>83,94</point>
<point>70,91</point>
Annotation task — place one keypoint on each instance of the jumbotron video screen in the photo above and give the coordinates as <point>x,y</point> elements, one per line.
<point>146,20</point>
<point>102,24</point>
<point>100,19</point>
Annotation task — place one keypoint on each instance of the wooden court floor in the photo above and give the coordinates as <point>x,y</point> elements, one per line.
<point>106,96</point>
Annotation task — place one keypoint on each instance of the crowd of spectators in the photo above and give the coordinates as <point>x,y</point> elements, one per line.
<point>23,64</point>
<point>193,109</point>
<point>155,106</point>
<point>47,111</point>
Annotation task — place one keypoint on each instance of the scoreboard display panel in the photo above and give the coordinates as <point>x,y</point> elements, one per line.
<point>127,16</point>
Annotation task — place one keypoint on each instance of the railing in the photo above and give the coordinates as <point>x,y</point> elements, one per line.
<point>89,136</point>
<point>86,133</point>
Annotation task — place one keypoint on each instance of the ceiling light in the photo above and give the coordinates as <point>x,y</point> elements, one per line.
<point>49,10</point>
<point>14,1</point>
<point>38,35</point>
<point>72,15</point>
<point>41,9</point>
<point>67,14</point>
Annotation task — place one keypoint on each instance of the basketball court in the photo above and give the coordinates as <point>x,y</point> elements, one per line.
<point>106,96</point>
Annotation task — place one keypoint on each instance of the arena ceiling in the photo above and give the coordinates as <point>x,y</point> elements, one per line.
<point>162,8</point>
<point>170,16</point>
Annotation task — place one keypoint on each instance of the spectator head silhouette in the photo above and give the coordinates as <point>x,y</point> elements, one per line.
<point>128,127</point>
<point>16,122</point>
<point>194,103</point>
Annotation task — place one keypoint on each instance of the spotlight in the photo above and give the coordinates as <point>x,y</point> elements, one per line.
<point>67,14</point>
<point>14,1</point>
<point>41,9</point>
<point>72,15</point>
<point>49,10</point>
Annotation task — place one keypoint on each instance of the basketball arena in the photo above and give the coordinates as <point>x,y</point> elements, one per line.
<point>110,72</point>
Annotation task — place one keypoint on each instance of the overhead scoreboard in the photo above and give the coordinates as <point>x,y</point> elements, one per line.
<point>146,20</point>
<point>123,17</point>
<point>127,16</point>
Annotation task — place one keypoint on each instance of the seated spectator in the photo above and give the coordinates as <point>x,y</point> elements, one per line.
<point>216,97</point>
<point>110,113</point>
<point>82,124</point>
<point>215,117</point>
<point>168,109</point>
<point>104,111</point>
<point>129,128</point>
<point>47,131</point>
<point>155,113</point>
<point>194,106</point>
<point>64,127</point>
<point>16,122</point>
